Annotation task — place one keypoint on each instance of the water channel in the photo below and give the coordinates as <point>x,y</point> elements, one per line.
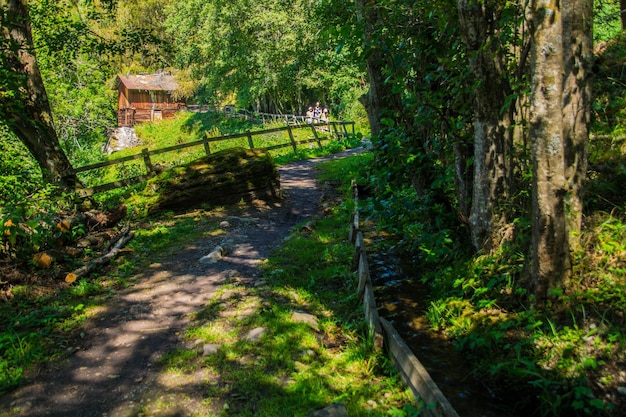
<point>401,300</point>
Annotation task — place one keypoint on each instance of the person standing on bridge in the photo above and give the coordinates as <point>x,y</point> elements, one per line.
<point>324,115</point>
<point>309,115</point>
<point>317,112</point>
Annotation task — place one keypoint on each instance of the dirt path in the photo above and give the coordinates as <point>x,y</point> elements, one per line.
<point>113,369</point>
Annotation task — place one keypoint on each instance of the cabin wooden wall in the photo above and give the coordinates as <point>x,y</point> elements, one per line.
<point>137,106</point>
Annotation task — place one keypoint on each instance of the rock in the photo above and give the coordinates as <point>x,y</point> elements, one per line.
<point>333,410</point>
<point>247,360</point>
<point>244,220</point>
<point>229,275</point>
<point>228,294</point>
<point>228,245</point>
<point>621,390</point>
<point>216,255</point>
<point>210,349</point>
<point>256,334</point>
<point>308,354</point>
<point>197,345</point>
<point>121,138</point>
<point>308,227</point>
<point>372,404</point>
<point>222,178</point>
<point>247,313</point>
<point>306,318</point>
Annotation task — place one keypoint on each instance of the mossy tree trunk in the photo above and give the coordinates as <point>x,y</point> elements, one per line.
<point>550,250</point>
<point>577,97</point>
<point>24,105</point>
<point>493,118</point>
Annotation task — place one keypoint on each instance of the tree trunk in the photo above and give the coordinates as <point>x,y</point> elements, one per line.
<point>550,249</point>
<point>379,95</point>
<point>26,109</point>
<point>622,13</point>
<point>578,59</point>
<point>493,140</point>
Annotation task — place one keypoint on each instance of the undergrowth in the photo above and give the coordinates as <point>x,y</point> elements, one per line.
<point>187,127</point>
<point>566,359</point>
<point>295,369</point>
<point>298,370</point>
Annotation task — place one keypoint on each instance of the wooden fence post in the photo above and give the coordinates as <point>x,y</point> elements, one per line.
<point>205,141</point>
<point>317,139</point>
<point>250,139</point>
<point>335,129</point>
<point>345,130</point>
<point>352,123</point>
<point>146,160</point>
<point>293,141</point>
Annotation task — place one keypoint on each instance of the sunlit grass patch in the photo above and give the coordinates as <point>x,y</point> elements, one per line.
<point>187,128</point>
<point>297,366</point>
<point>41,324</point>
<point>168,233</point>
<point>292,369</point>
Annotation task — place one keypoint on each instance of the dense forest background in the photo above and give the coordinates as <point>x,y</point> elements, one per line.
<point>508,142</point>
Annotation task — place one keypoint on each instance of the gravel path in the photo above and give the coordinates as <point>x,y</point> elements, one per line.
<point>114,367</point>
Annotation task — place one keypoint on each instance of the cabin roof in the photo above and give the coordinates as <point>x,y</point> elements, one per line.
<point>159,81</point>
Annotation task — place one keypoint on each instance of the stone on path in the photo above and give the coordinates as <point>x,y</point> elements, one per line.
<point>216,255</point>
<point>256,334</point>
<point>244,220</point>
<point>211,349</point>
<point>333,410</point>
<point>306,318</point>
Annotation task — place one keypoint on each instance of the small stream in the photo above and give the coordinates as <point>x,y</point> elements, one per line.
<point>401,299</point>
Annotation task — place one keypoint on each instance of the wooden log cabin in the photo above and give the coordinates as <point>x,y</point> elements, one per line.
<point>146,97</point>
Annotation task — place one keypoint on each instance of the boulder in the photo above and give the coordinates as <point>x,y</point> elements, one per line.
<point>222,178</point>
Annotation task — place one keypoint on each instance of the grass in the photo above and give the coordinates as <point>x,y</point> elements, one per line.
<point>290,371</point>
<point>42,319</point>
<point>188,127</point>
<point>294,369</point>
<point>566,359</point>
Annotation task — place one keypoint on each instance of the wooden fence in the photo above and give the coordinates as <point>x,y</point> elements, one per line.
<point>289,119</point>
<point>384,335</point>
<point>232,111</point>
<point>334,129</point>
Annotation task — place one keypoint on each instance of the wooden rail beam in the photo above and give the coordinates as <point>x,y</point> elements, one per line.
<point>146,154</point>
<point>383,334</point>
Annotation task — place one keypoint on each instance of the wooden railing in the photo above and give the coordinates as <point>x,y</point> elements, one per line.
<point>261,117</point>
<point>384,336</point>
<point>335,129</point>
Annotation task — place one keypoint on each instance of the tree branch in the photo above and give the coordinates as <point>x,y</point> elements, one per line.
<point>125,236</point>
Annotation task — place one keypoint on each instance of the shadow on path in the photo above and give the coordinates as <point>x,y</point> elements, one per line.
<point>115,366</point>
